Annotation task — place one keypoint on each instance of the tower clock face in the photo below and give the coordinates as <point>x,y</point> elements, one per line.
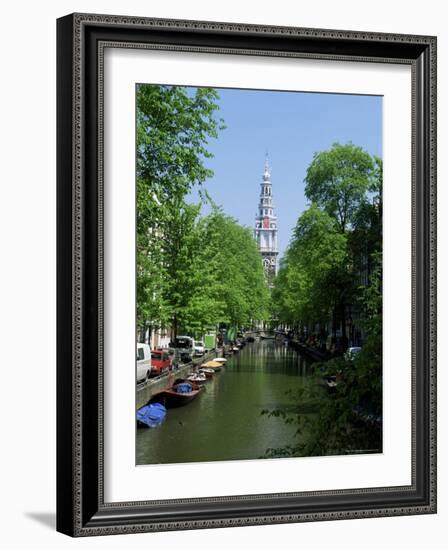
<point>266,223</point>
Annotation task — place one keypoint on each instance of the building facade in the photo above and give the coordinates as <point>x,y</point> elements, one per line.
<point>265,231</point>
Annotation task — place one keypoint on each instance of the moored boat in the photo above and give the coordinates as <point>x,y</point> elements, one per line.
<point>222,360</point>
<point>215,365</point>
<point>151,415</point>
<point>197,377</point>
<point>180,393</point>
<point>208,372</point>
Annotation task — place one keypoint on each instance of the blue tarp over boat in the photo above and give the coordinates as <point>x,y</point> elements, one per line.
<point>185,387</point>
<point>151,415</point>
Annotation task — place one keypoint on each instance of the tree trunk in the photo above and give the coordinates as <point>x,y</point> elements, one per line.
<point>343,323</point>
<point>334,323</point>
<point>174,328</point>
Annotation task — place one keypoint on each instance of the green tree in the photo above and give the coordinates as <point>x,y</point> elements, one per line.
<point>333,237</point>
<point>314,278</point>
<point>336,248</point>
<point>173,129</point>
<point>235,259</point>
<point>365,240</point>
<point>350,419</point>
<point>338,180</point>
<point>192,272</point>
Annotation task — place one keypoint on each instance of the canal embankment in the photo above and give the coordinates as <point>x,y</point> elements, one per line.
<point>147,390</point>
<point>311,353</point>
<point>226,420</point>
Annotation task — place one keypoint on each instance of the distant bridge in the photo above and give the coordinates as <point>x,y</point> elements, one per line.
<point>262,333</point>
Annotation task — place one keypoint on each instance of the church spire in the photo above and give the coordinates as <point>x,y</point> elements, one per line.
<point>265,231</point>
<point>267,170</point>
<point>266,164</point>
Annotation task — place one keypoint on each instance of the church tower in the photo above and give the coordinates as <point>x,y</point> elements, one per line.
<point>266,226</point>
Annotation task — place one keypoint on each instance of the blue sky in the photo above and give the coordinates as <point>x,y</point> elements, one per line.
<point>291,127</point>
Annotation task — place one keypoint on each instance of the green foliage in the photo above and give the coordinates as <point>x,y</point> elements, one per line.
<point>347,421</point>
<point>218,275</point>
<point>173,128</point>
<point>243,288</point>
<point>337,181</point>
<point>334,239</point>
<point>314,277</point>
<point>193,272</point>
<point>338,238</point>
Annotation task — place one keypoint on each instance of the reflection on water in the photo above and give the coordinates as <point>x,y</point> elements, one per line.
<point>224,422</point>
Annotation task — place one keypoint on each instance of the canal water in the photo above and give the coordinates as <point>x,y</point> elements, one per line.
<point>225,422</point>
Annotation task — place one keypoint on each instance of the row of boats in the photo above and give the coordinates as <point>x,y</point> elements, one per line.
<point>184,390</point>
<point>181,392</point>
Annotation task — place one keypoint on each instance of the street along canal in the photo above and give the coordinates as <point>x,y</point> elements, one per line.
<point>225,422</point>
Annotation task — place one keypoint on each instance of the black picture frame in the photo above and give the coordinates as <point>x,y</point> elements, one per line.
<point>81,510</point>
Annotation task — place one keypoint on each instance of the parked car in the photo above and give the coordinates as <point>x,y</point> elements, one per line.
<point>143,362</point>
<point>160,362</point>
<point>199,349</point>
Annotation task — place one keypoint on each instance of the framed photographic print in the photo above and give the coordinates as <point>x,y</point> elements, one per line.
<point>246,274</point>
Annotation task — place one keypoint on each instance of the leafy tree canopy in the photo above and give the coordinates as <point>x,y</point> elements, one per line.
<point>193,272</point>
<point>337,181</point>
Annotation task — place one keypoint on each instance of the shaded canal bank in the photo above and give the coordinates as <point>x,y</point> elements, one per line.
<point>225,422</point>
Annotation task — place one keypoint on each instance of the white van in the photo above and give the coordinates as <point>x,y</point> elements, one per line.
<point>143,362</point>
<point>199,349</point>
